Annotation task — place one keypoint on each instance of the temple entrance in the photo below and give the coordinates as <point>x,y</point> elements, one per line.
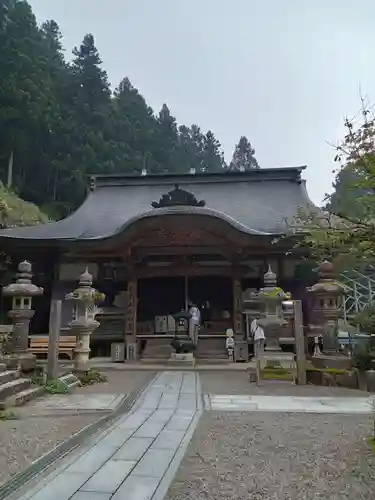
<point>160,297</point>
<point>213,295</point>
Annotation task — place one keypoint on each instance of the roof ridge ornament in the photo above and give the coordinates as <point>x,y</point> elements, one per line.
<point>178,197</point>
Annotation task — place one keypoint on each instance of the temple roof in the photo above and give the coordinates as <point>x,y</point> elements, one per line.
<point>258,202</point>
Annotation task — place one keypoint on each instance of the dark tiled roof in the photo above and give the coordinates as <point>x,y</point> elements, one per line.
<point>258,202</point>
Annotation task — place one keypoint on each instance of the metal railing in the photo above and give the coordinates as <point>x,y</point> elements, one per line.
<point>360,292</point>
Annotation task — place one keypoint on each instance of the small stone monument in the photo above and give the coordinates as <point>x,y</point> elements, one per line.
<point>22,292</point>
<point>230,343</point>
<point>328,295</point>
<point>85,299</point>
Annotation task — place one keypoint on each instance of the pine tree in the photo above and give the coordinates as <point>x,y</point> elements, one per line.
<point>134,129</point>
<point>166,152</point>
<point>59,121</point>
<point>243,156</point>
<point>212,156</point>
<point>25,92</point>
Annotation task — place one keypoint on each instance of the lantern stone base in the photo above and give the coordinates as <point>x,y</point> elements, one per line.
<point>334,362</point>
<point>277,358</point>
<point>25,361</point>
<point>183,359</point>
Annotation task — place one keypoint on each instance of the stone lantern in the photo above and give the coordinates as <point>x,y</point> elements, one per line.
<point>84,323</point>
<point>328,294</point>
<point>22,291</point>
<point>271,298</point>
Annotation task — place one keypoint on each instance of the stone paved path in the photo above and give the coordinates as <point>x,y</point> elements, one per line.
<point>79,403</point>
<point>139,455</point>
<point>289,404</point>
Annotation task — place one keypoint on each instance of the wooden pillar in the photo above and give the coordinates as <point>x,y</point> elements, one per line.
<point>237,306</point>
<point>131,311</point>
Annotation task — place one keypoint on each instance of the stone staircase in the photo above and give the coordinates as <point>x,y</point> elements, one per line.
<point>212,350</point>
<point>15,390</point>
<point>157,350</point>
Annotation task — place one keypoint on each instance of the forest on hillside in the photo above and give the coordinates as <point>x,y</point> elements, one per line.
<point>60,120</point>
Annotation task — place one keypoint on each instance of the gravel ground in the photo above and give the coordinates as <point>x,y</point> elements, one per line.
<point>283,456</point>
<point>238,383</point>
<point>26,439</point>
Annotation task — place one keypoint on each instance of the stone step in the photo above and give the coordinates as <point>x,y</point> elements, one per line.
<point>13,387</point>
<point>212,354</point>
<point>214,361</point>
<point>3,367</point>
<point>7,376</point>
<point>24,396</point>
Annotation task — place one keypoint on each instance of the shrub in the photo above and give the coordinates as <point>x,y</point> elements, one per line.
<point>7,415</point>
<point>91,377</point>
<point>362,358</point>
<point>56,387</point>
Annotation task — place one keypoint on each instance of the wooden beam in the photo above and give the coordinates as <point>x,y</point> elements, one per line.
<point>181,250</point>
<point>191,271</point>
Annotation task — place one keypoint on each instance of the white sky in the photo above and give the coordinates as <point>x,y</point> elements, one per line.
<point>283,73</point>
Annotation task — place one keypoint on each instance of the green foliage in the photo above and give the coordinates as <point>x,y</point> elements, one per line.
<point>243,156</point>
<point>17,212</point>
<point>362,358</point>
<point>56,387</point>
<point>59,120</point>
<point>91,377</point>
<point>371,442</point>
<point>331,371</point>
<point>8,415</point>
<point>345,233</point>
<point>278,373</point>
<point>366,318</point>
<point>37,379</point>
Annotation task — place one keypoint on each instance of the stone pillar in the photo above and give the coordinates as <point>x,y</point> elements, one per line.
<point>85,299</point>
<point>22,291</point>
<point>131,320</point>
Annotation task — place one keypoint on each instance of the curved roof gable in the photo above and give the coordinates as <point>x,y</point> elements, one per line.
<point>255,202</point>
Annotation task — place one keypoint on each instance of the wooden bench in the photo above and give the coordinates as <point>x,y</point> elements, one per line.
<point>39,346</point>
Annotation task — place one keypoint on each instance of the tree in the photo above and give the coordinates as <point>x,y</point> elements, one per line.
<point>59,120</point>
<point>340,235</point>
<point>133,131</point>
<point>87,103</point>
<point>243,156</point>
<point>166,151</point>
<point>212,156</point>
<point>25,92</point>
<point>190,148</point>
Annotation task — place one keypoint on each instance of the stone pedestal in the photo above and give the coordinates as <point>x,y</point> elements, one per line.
<point>182,359</point>
<point>22,291</point>
<point>336,362</point>
<point>85,298</point>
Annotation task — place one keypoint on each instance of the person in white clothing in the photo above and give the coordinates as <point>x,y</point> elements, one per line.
<point>258,337</point>
<point>194,322</point>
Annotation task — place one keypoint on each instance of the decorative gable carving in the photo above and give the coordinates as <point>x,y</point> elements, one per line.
<point>178,197</point>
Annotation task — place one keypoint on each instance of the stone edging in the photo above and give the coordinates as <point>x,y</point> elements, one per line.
<point>44,462</point>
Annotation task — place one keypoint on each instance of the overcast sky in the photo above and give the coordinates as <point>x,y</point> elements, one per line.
<point>282,72</point>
